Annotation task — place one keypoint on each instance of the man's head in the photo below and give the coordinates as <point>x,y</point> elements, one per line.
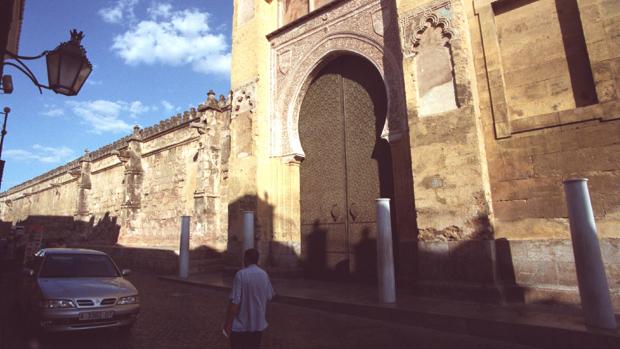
<point>250,257</point>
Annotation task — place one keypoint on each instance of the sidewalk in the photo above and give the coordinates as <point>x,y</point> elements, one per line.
<point>533,325</point>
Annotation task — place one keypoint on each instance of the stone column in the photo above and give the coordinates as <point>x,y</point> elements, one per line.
<point>209,212</point>
<point>82,213</point>
<point>593,286</point>
<point>131,158</point>
<point>385,255</point>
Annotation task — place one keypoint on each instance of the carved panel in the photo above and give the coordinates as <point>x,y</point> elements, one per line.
<point>434,71</point>
<point>414,24</point>
<point>349,27</point>
<point>284,62</point>
<point>435,47</point>
<point>244,99</point>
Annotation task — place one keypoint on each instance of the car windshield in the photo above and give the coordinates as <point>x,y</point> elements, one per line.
<point>77,265</point>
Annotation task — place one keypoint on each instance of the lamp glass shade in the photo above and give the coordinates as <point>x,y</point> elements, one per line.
<point>82,76</point>
<point>68,68</point>
<point>53,64</point>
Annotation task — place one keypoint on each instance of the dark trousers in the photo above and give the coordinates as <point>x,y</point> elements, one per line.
<point>245,340</point>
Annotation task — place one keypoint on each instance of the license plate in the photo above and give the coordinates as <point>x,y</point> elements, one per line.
<point>96,315</point>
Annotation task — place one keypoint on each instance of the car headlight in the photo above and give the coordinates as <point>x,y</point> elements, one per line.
<point>128,300</point>
<point>57,303</point>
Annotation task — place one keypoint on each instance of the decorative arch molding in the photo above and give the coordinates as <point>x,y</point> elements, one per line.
<point>439,25</point>
<point>299,53</point>
<point>289,101</point>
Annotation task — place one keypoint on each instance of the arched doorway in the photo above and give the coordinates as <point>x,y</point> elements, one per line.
<point>347,166</point>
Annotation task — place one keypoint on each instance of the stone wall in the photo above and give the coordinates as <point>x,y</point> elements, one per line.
<point>492,104</point>
<point>550,111</point>
<point>134,191</point>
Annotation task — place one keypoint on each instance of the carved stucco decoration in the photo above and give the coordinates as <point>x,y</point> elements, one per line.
<point>350,27</point>
<point>415,23</point>
<point>284,62</point>
<point>378,22</point>
<point>244,99</point>
<point>449,19</point>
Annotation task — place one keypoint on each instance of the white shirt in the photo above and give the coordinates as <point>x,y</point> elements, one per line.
<point>251,289</point>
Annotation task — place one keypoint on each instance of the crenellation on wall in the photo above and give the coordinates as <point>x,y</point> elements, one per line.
<point>128,191</point>
<point>486,117</point>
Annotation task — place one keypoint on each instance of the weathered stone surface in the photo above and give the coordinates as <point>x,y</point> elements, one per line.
<point>492,104</point>
<point>134,191</point>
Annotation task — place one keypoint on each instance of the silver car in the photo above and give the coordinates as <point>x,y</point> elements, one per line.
<point>67,289</point>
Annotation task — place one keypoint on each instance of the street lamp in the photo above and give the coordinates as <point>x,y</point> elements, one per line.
<point>7,110</point>
<point>67,67</point>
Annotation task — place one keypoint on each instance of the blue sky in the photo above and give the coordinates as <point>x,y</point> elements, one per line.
<point>152,59</point>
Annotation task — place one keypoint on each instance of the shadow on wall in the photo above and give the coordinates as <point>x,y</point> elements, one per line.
<point>478,269</point>
<point>103,235</point>
<point>277,248</point>
<point>315,261</point>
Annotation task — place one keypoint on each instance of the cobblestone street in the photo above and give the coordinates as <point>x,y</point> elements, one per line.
<point>181,316</point>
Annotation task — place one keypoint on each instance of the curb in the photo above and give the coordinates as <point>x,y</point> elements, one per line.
<point>538,336</point>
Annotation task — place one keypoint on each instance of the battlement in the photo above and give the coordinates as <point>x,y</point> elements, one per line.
<point>175,121</point>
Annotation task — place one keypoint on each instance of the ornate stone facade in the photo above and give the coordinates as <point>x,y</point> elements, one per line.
<point>354,27</point>
<point>482,131</point>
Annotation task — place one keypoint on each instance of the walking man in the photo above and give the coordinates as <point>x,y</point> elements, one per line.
<point>245,318</point>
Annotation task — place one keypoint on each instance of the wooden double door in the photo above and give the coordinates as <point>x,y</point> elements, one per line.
<point>347,166</point>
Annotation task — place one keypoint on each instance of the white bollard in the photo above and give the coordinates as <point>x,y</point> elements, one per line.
<point>385,255</point>
<point>248,230</point>
<point>184,248</point>
<point>593,287</point>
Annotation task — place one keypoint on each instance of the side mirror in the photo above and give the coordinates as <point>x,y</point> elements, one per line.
<point>28,272</point>
<point>126,272</point>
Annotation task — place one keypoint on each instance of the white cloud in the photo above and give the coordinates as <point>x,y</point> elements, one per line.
<point>122,9</point>
<point>94,82</point>
<point>174,37</point>
<point>167,105</point>
<point>49,155</point>
<point>136,108</point>
<point>158,10</point>
<point>107,116</point>
<point>52,111</point>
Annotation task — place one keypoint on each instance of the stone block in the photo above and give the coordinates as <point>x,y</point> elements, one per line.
<point>599,50</point>
<point>610,251</point>
<point>471,261</point>
<point>563,251</point>
<point>535,273</point>
<point>567,275</point>
<point>518,249</point>
<point>547,165</point>
<point>535,122</point>
<point>510,210</point>
<point>610,7</point>
<point>606,90</point>
<point>613,275</point>
<point>432,260</point>
<point>512,164</point>
<point>547,207</point>
<point>523,189</point>
<point>407,259</point>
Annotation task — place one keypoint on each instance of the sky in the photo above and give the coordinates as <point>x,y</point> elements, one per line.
<point>151,60</point>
